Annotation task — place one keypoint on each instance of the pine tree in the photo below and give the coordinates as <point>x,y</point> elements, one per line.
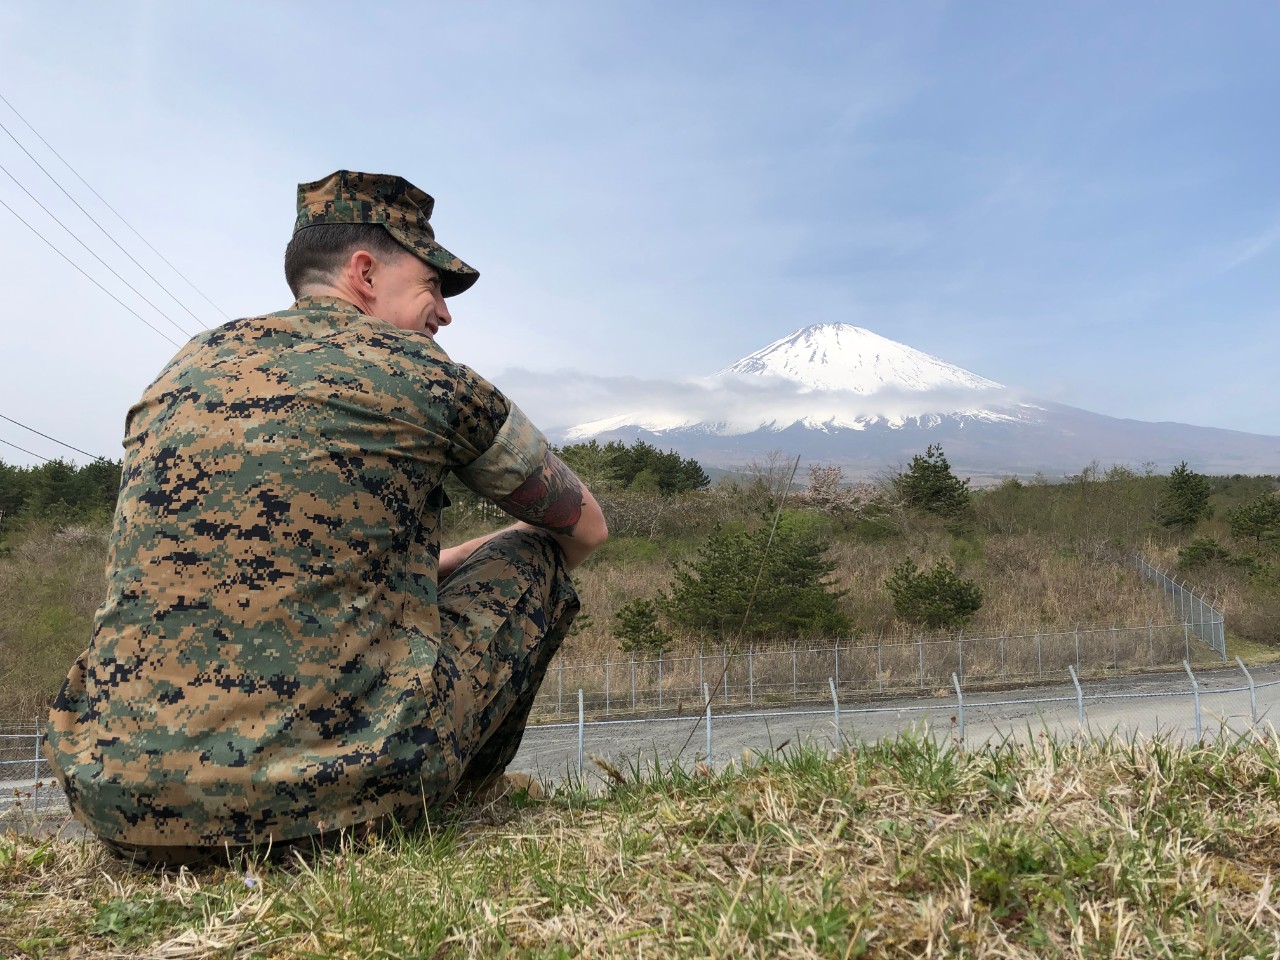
<point>939,599</point>
<point>928,484</point>
<point>713,592</point>
<point>636,625</point>
<point>1258,520</point>
<point>1185,499</point>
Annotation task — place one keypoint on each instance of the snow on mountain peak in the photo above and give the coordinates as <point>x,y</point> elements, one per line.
<point>841,356</point>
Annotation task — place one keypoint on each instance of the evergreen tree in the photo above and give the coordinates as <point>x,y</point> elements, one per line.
<point>929,485</point>
<point>712,593</point>
<point>939,599</point>
<point>616,464</point>
<point>636,625</point>
<point>595,464</point>
<point>1185,498</point>
<point>1258,520</point>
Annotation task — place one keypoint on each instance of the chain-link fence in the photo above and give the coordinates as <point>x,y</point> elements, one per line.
<point>758,675</point>
<point>1190,703</point>
<point>1201,617</point>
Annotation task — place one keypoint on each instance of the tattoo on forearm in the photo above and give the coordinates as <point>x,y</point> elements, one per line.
<point>551,498</point>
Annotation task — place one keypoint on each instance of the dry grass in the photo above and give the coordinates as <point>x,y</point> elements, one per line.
<point>905,848</point>
<point>51,582</point>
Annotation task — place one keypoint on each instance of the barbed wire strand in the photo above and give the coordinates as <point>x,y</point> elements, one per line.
<point>87,275</point>
<point>104,230</point>
<point>92,252</point>
<point>61,443</point>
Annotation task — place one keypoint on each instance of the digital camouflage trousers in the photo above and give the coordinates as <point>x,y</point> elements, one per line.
<point>504,613</point>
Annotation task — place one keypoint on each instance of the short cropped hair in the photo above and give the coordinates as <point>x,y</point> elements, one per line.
<point>317,253</point>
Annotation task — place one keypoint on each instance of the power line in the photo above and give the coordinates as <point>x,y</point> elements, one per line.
<point>60,443</point>
<point>119,216</point>
<point>90,278</point>
<point>92,253</point>
<point>25,450</point>
<point>96,223</point>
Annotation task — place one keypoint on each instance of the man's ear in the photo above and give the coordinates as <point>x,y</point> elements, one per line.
<point>360,269</point>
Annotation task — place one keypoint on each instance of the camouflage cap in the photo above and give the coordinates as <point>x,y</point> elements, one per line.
<point>346,196</point>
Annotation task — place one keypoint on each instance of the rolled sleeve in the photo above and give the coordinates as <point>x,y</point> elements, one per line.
<point>517,452</point>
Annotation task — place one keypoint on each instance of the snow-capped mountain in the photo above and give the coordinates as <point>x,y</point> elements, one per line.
<point>826,377</point>
<point>840,356</point>
<point>843,394</point>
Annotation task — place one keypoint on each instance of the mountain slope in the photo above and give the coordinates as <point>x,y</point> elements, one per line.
<point>843,394</point>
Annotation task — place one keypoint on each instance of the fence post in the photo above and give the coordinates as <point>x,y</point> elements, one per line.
<point>1079,695</point>
<point>1002,633</point>
<point>581,730</point>
<point>751,674</point>
<point>659,679</point>
<point>606,684</point>
<point>920,647</point>
<point>837,678</point>
<point>1195,692</point>
<point>633,681</point>
<point>1077,648</point>
<point>560,690</point>
<point>1115,654</point>
<point>706,698</point>
<point>835,701</point>
<point>701,683</point>
<point>1186,637</point>
<point>35,769</point>
<point>1151,642</point>
<point>962,653</point>
<point>1253,693</point>
<point>794,691</point>
<point>959,707</point>
<point>725,653</point>
<point>880,663</point>
<point>1039,659</point>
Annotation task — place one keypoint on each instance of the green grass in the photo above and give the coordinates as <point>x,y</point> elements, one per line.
<point>903,848</point>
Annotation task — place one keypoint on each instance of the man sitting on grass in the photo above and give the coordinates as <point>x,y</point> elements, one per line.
<point>285,651</point>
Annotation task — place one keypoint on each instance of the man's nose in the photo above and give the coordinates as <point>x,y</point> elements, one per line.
<point>442,312</point>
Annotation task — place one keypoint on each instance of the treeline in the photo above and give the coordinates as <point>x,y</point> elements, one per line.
<point>641,467</point>
<point>59,491</point>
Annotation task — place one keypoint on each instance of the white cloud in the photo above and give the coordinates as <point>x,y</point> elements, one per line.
<point>569,398</point>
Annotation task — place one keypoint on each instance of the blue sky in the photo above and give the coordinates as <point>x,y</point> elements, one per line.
<point>1078,200</point>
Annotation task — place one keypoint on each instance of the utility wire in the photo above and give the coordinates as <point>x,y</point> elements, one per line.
<point>92,253</point>
<point>97,224</point>
<point>25,450</point>
<point>118,214</point>
<point>90,278</point>
<point>47,437</point>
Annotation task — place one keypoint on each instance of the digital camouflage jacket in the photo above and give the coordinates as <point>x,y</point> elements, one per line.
<point>256,671</point>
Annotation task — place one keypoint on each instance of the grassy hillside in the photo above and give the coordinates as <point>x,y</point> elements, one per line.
<point>1047,556</point>
<point>902,849</point>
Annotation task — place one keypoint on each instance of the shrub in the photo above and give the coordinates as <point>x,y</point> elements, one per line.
<point>1202,551</point>
<point>939,599</point>
<point>713,592</point>
<point>636,625</point>
<point>1258,520</point>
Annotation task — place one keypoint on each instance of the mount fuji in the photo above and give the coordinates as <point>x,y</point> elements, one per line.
<point>839,393</point>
